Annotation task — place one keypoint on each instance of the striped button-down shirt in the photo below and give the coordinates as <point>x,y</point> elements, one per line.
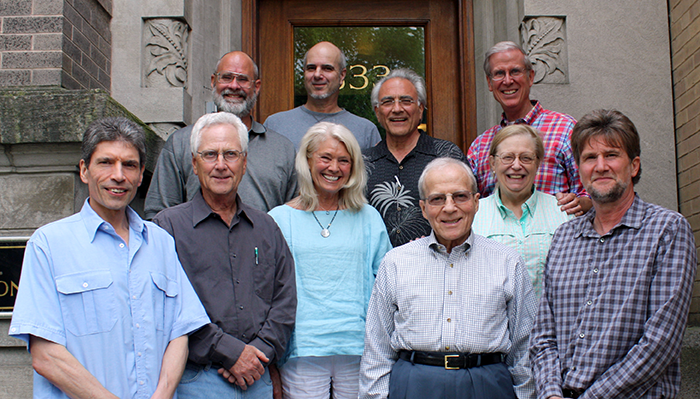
<point>614,307</point>
<point>558,172</point>
<point>475,299</point>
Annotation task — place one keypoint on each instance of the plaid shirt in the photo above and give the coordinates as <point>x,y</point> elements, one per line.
<point>558,172</point>
<point>614,307</point>
<point>475,299</point>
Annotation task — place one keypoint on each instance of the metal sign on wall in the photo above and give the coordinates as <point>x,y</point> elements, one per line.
<point>11,255</point>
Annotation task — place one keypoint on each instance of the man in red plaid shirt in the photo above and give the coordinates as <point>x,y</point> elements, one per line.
<point>510,75</point>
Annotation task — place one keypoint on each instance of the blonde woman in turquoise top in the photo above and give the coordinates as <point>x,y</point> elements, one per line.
<point>338,242</point>
<point>516,214</point>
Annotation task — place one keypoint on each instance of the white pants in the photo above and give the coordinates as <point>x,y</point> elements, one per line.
<point>316,377</point>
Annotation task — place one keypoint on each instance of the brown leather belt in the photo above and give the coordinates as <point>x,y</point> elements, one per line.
<point>452,361</point>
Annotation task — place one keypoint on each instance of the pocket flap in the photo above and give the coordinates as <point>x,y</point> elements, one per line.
<point>82,282</point>
<point>165,284</point>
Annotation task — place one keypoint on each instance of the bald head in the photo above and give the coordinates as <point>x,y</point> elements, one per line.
<point>238,57</point>
<point>328,49</point>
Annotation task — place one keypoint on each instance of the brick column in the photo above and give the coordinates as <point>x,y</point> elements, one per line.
<point>55,43</point>
<point>685,49</point>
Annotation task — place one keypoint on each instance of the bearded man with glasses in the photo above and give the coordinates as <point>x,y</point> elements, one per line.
<point>450,314</point>
<point>270,179</point>
<point>510,75</point>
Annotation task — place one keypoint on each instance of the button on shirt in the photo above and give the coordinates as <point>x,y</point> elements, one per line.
<point>392,186</point>
<point>244,275</point>
<point>558,172</point>
<point>530,235</point>
<point>115,307</point>
<point>614,307</point>
<point>476,299</point>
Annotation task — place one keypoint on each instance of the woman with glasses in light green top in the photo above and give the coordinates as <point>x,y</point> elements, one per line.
<point>516,214</point>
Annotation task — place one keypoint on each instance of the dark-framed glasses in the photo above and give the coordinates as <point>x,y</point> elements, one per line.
<point>501,74</point>
<point>403,102</point>
<point>525,158</point>
<point>228,77</point>
<point>229,156</point>
<point>459,197</point>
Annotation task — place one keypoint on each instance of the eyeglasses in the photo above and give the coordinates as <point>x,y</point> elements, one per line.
<point>228,77</point>
<point>501,74</point>
<point>459,197</point>
<point>509,158</point>
<point>403,101</point>
<point>213,156</point>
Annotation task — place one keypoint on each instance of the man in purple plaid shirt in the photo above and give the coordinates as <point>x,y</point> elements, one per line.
<point>510,75</point>
<point>617,283</point>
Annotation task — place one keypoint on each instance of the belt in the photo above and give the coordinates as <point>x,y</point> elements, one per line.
<point>570,393</point>
<point>452,361</point>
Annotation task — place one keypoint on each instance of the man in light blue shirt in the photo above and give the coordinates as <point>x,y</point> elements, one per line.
<point>103,302</point>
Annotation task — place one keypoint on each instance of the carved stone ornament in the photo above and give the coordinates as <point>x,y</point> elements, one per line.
<point>544,40</point>
<point>165,55</point>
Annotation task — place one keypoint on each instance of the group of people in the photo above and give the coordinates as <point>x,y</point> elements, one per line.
<point>307,258</point>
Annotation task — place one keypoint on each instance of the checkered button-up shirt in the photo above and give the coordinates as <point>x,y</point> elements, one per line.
<point>558,172</point>
<point>476,299</point>
<point>614,307</point>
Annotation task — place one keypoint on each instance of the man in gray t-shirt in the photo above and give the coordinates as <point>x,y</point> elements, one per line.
<point>324,71</point>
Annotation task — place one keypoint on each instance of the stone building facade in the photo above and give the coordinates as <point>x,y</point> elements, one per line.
<point>65,63</point>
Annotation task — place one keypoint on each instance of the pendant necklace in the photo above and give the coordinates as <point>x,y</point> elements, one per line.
<point>325,232</point>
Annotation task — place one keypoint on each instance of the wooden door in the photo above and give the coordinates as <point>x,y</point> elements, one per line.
<point>268,30</point>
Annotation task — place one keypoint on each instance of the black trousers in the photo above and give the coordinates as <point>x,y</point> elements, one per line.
<point>417,381</point>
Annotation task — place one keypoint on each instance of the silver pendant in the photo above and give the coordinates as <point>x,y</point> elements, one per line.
<point>325,233</point>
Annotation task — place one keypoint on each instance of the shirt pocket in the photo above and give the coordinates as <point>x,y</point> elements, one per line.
<point>264,279</point>
<point>166,289</point>
<point>87,302</point>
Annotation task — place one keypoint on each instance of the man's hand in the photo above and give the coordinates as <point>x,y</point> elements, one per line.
<point>572,204</point>
<point>248,368</point>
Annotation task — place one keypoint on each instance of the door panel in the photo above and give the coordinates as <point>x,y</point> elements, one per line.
<point>268,35</point>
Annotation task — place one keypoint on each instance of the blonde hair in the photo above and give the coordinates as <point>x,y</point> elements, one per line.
<point>351,196</point>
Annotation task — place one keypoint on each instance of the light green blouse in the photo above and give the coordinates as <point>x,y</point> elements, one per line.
<point>530,235</point>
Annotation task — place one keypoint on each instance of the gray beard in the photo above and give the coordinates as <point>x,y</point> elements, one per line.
<point>323,96</point>
<point>613,195</point>
<point>241,109</point>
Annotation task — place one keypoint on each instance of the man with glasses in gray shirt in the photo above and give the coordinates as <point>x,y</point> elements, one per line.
<point>270,179</point>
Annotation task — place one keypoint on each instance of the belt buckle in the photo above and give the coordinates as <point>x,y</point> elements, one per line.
<point>447,366</point>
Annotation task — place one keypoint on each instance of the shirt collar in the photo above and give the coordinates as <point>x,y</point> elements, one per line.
<point>93,221</point>
<point>529,207</point>
<point>201,210</point>
<point>257,128</point>
<point>463,247</point>
<point>528,119</point>
<point>424,145</point>
<point>633,218</point>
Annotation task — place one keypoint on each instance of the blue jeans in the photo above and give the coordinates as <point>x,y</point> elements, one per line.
<point>204,382</point>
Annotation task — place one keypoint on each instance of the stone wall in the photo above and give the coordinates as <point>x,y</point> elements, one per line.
<point>685,61</point>
<point>87,44</point>
<point>55,43</point>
